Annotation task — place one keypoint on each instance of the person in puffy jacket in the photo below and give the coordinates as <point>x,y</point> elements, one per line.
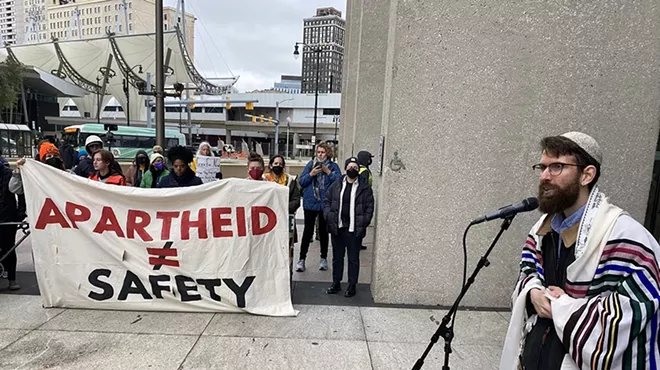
<point>105,170</point>
<point>137,170</point>
<point>315,181</point>
<point>348,209</point>
<point>156,173</point>
<point>85,168</point>
<point>181,175</point>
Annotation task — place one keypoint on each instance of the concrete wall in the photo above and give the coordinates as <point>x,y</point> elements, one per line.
<point>464,91</point>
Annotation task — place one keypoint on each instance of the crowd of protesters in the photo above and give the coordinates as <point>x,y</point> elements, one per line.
<point>340,206</point>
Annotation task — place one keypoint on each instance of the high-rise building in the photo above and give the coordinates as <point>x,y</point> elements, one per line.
<point>7,22</point>
<point>325,31</point>
<point>43,20</point>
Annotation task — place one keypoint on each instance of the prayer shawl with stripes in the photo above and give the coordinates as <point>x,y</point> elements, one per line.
<point>609,317</point>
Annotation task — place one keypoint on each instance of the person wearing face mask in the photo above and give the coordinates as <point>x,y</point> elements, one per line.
<point>278,175</point>
<point>348,209</point>
<point>49,154</point>
<point>181,175</point>
<point>156,172</point>
<point>255,167</point>
<point>137,170</point>
<point>315,180</point>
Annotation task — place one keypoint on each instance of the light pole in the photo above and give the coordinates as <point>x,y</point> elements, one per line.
<point>288,127</point>
<point>277,125</point>
<point>160,76</point>
<point>126,85</point>
<point>317,50</point>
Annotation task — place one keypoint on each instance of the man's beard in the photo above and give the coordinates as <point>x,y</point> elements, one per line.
<point>559,199</point>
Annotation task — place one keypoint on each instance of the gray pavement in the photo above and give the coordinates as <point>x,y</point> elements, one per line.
<point>330,331</point>
<point>32,337</point>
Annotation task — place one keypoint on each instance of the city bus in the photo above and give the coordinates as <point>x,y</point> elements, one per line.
<point>127,140</point>
<point>15,141</point>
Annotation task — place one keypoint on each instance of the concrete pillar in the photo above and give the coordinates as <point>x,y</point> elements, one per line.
<point>463,92</point>
<point>294,145</point>
<point>228,141</point>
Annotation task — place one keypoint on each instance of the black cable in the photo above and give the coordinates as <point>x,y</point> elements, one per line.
<point>465,257</point>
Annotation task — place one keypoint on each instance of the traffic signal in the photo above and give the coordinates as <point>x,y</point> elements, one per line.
<point>249,106</point>
<point>228,105</point>
<point>262,118</point>
<point>254,119</point>
<point>270,120</point>
<point>192,105</point>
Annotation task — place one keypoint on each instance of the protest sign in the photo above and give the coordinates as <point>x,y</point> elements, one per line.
<point>207,167</point>
<point>218,247</point>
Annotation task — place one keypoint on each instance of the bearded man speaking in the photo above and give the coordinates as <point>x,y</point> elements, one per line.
<point>588,293</point>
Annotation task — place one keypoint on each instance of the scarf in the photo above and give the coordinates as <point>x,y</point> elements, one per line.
<point>282,179</point>
<point>609,316</point>
<point>354,188</point>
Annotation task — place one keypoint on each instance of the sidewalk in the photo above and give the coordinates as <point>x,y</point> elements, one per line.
<point>320,337</point>
<point>330,331</point>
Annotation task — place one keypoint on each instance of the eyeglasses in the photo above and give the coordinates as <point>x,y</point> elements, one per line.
<point>555,168</point>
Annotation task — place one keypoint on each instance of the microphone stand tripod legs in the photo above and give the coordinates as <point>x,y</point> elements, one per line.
<point>446,331</point>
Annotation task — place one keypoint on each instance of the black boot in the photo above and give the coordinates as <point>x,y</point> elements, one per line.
<point>350,291</point>
<point>334,288</point>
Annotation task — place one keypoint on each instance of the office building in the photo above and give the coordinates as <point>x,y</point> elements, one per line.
<point>43,20</point>
<point>326,31</point>
<point>7,22</point>
<point>289,84</point>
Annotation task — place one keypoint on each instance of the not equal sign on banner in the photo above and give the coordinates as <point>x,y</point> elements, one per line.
<point>161,256</point>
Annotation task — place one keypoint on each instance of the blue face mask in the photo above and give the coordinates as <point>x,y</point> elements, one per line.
<point>158,165</point>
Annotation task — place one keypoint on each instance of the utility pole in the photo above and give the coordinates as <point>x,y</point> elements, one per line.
<point>160,76</point>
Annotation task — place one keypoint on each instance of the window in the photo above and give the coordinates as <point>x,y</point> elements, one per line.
<point>331,111</point>
<point>214,109</point>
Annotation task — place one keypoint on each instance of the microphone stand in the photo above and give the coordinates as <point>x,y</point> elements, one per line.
<point>446,331</point>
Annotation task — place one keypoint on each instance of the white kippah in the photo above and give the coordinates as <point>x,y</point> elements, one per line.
<point>587,143</point>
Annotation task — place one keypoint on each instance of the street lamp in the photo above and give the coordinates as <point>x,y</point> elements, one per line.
<point>296,55</point>
<point>277,125</point>
<point>126,86</point>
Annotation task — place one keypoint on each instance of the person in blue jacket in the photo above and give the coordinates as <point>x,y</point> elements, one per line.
<point>315,181</point>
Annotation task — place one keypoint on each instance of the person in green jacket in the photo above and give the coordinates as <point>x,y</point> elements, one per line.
<point>157,171</point>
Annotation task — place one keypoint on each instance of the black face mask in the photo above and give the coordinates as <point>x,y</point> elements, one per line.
<point>141,160</point>
<point>55,162</point>
<point>352,173</point>
<point>277,170</point>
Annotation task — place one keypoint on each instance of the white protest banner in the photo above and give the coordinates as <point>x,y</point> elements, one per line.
<point>218,247</point>
<point>207,167</point>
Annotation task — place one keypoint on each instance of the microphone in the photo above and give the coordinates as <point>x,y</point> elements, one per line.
<point>526,205</point>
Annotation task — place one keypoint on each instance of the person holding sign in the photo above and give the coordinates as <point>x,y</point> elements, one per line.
<point>206,165</point>
<point>181,175</point>
<point>157,171</point>
<point>105,172</point>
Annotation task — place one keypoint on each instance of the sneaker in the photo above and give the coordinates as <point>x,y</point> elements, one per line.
<point>13,285</point>
<point>350,291</point>
<point>300,266</point>
<point>4,275</point>
<point>363,247</point>
<point>323,265</point>
<point>334,288</point>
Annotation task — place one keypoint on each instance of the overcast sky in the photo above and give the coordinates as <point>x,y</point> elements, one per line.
<point>255,37</point>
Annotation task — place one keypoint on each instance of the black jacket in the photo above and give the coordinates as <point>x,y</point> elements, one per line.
<point>364,207</point>
<point>8,204</point>
<point>85,167</point>
<point>174,181</point>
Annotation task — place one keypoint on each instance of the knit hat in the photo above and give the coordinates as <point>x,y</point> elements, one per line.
<point>587,143</point>
<point>155,156</point>
<point>364,158</point>
<point>351,160</point>
<point>158,149</point>
<point>82,153</point>
<point>48,149</point>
